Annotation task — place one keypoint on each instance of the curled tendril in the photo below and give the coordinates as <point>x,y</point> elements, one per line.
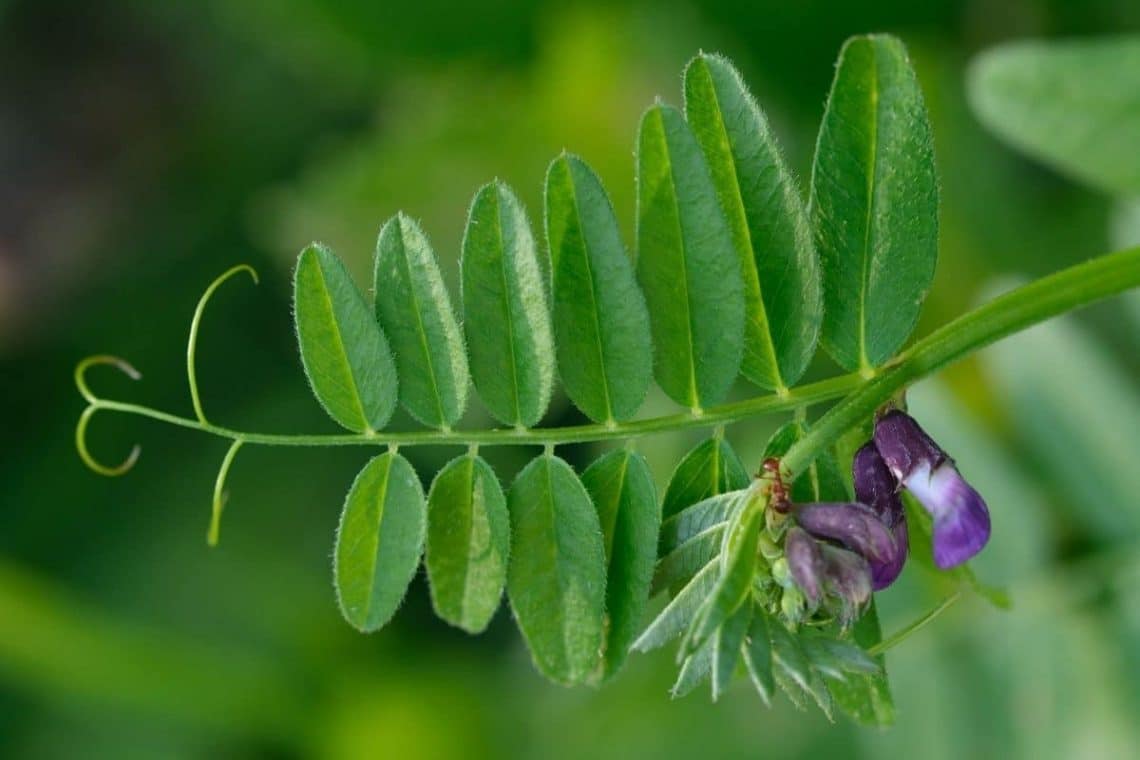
<point>85,455</point>
<point>81,373</point>
<point>220,494</point>
<point>94,404</point>
<point>192,344</point>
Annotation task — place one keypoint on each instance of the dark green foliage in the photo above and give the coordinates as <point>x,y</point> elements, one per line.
<point>601,325</point>
<point>379,541</point>
<point>505,311</point>
<point>874,203</point>
<point>622,489</point>
<point>557,577</point>
<point>770,230</point>
<point>468,543</point>
<point>343,350</point>
<point>687,264</point>
<point>415,312</point>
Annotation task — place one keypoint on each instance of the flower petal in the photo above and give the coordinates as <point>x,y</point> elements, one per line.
<point>961,519</point>
<point>855,526</point>
<point>805,561</point>
<point>883,574</point>
<point>904,445</point>
<point>876,487</point>
<point>847,578</point>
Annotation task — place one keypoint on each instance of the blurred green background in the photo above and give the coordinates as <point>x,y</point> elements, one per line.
<point>145,147</point>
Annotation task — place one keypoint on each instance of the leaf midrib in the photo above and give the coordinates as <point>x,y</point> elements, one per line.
<point>465,600</point>
<point>597,327</point>
<point>507,305</point>
<point>762,309</point>
<point>872,163</point>
<point>694,392</point>
<point>353,387</point>
<point>555,552</point>
<point>374,556</point>
<point>420,331</point>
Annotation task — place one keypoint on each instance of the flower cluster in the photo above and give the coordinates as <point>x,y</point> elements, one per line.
<point>838,553</point>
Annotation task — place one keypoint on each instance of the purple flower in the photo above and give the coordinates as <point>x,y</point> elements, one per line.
<point>876,487</point>
<point>805,562</point>
<point>828,574</point>
<point>847,579</point>
<point>961,519</point>
<point>855,526</point>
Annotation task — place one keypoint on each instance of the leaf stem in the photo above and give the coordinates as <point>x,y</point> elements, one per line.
<point>914,627</point>
<point>813,393</point>
<point>1011,312</point>
<point>1071,288</point>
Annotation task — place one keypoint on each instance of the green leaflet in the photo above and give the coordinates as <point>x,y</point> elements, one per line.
<point>679,613</point>
<point>866,697</point>
<point>415,312</point>
<point>835,657</point>
<point>696,519</point>
<point>622,490</point>
<point>505,314</point>
<point>757,651</point>
<point>557,576</point>
<point>379,540</point>
<point>770,230</point>
<point>676,568</point>
<point>343,350</point>
<point>601,324</point>
<point>726,648</point>
<point>1074,105</point>
<point>874,203</point>
<point>468,541</point>
<point>738,559</point>
<point>686,264</point>
<point>692,538</point>
<point>694,669</point>
<point>793,670</point>
<point>709,469</point>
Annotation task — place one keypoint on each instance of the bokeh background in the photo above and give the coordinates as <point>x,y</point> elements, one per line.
<point>145,147</point>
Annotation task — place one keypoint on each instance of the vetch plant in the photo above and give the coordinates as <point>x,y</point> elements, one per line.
<point>769,575</point>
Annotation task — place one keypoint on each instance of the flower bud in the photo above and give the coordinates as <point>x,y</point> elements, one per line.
<point>805,562</point>
<point>961,519</point>
<point>847,579</point>
<point>876,487</point>
<point>855,526</point>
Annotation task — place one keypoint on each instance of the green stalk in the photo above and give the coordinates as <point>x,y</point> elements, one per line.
<point>1012,312</point>
<point>1056,294</point>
